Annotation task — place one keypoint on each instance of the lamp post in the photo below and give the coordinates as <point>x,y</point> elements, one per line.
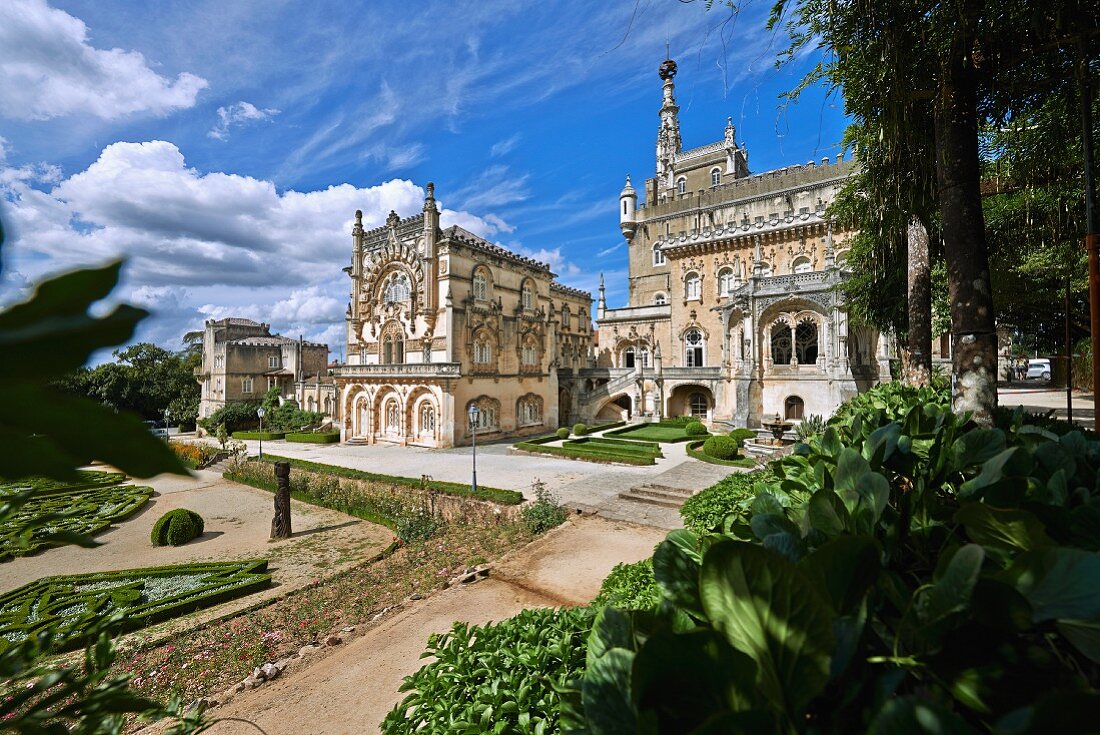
<point>474,414</point>
<point>166,415</point>
<point>260,413</point>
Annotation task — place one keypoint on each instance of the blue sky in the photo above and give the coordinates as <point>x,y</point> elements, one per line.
<point>222,147</point>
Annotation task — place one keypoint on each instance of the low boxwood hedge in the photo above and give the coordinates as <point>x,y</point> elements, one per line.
<point>562,433</point>
<point>695,449</point>
<point>143,596</point>
<point>325,437</point>
<point>176,527</point>
<point>572,451</point>
<point>264,435</point>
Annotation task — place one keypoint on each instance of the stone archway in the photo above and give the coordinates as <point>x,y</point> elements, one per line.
<point>692,400</point>
<point>619,408</point>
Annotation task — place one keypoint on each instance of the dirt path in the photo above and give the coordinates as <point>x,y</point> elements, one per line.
<point>350,690</point>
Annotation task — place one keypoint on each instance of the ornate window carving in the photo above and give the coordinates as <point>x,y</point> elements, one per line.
<point>565,316</point>
<point>528,296</point>
<point>529,352</point>
<point>392,416</point>
<point>782,343</point>
<point>393,345</point>
<point>658,255</point>
<point>488,413</point>
<point>693,286</point>
<point>805,342</point>
<point>725,281</point>
<point>481,285</point>
<point>801,264</point>
<point>693,348</point>
<point>483,349</point>
<point>529,410</point>
<point>715,176</point>
<point>426,419</point>
<point>396,289</point>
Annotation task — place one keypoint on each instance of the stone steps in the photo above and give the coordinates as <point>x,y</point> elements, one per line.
<point>660,495</point>
<point>355,441</point>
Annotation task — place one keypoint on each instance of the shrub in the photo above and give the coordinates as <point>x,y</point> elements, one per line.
<point>563,433</point>
<point>417,526</point>
<point>720,447</point>
<point>264,435</point>
<point>630,587</point>
<point>741,436</point>
<point>501,677</point>
<point>706,510</point>
<point>580,429</point>
<point>695,428</point>
<point>192,455</point>
<point>680,421</point>
<point>811,425</point>
<point>235,416</point>
<point>544,513</point>
<point>176,527</point>
<point>320,437</point>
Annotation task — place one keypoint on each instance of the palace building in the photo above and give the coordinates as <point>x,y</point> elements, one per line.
<point>441,319</point>
<point>733,314</point>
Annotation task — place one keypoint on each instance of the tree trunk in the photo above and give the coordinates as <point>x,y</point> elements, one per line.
<point>973,333</point>
<point>280,524</point>
<point>918,369</point>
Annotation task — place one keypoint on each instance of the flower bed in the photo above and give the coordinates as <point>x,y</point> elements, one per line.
<point>83,508</point>
<point>140,596</point>
<point>193,456</point>
<point>695,449</point>
<point>325,437</point>
<point>261,435</point>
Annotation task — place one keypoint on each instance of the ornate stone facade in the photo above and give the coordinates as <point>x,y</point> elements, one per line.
<point>440,319</point>
<point>733,313</point>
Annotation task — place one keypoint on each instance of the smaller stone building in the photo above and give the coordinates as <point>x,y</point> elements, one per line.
<point>242,360</point>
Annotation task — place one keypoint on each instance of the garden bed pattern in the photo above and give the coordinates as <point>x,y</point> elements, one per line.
<point>669,433</point>
<point>596,449</point>
<point>86,506</point>
<point>142,596</point>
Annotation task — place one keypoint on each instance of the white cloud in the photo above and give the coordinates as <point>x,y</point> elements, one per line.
<point>608,251</point>
<point>505,146</point>
<point>496,186</point>
<point>236,115</point>
<point>48,69</point>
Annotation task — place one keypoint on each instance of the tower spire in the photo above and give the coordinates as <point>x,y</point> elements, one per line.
<point>668,135</point>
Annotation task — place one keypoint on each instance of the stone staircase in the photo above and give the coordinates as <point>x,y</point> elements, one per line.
<point>355,441</point>
<point>659,495</point>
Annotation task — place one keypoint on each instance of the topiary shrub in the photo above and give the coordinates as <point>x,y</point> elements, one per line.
<point>741,436</point>
<point>580,429</point>
<point>721,447</point>
<point>176,527</point>
<point>696,428</point>
<point>563,433</point>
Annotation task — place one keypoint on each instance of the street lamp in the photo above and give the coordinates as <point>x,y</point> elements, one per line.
<point>260,413</point>
<point>166,415</point>
<point>474,414</point>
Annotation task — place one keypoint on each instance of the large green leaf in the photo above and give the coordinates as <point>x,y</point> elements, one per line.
<point>913,716</point>
<point>950,594</point>
<point>1084,635</point>
<point>844,571</point>
<point>1002,528</point>
<point>767,608</point>
<point>1058,583</point>
<point>676,569</point>
<point>826,513</point>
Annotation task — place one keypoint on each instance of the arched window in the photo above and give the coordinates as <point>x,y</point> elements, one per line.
<point>483,350</point>
<point>392,416</point>
<point>481,285</point>
<point>565,316</point>
<point>396,289</point>
<point>660,299</point>
<point>529,410</point>
<point>658,255</point>
<point>698,403</point>
<point>693,348</point>
<point>715,176</point>
<point>805,342</point>
<point>692,286</point>
<point>628,357</point>
<point>782,343</point>
<point>765,269</point>
<point>793,408</point>
<point>393,346</point>
<point>681,185</point>
<point>529,354</point>
<point>426,422</point>
<point>801,264</point>
<point>488,412</point>
<point>328,405</point>
<point>643,355</point>
<point>842,259</point>
<point>725,281</point>
<point>528,296</point>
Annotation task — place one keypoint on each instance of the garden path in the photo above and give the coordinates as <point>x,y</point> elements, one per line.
<point>351,690</point>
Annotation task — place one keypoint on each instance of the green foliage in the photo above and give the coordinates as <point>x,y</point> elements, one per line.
<point>707,509</point>
<point>721,447</point>
<point>695,450</point>
<point>597,449</point>
<point>544,513</point>
<point>696,428</point>
<point>289,417</point>
<point>264,435</point>
<point>234,417</point>
<point>663,431</point>
<point>222,435</point>
<point>319,437</point>
<point>500,677</point>
<point>579,429</point>
<point>37,513</point>
<point>812,425</point>
<point>905,570</point>
<point>742,435</point>
<point>134,598</point>
<point>629,587</point>
<point>176,527</point>
<point>562,433</point>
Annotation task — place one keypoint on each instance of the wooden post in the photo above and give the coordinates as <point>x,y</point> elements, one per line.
<point>280,524</point>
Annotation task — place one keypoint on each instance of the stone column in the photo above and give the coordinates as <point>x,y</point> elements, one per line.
<point>280,524</point>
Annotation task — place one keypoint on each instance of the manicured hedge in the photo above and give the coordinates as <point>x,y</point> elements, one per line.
<point>657,432</point>
<point>79,509</point>
<point>176,527</point>
<point>144,596</point>
<point>695,449</point>
<point>583,449</point>
<point>84,479</point>
<point>327,437</point>
<point>504,497</point>
<point>264,435</point>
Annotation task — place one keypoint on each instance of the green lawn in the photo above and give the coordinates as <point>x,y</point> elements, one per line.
<point>619,447</point>
<point>653,433</point>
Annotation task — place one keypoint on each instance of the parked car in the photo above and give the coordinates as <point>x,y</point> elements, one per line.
<point>1038,369</point>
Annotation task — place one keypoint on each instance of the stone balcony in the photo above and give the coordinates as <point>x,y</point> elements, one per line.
<point>419,370</point>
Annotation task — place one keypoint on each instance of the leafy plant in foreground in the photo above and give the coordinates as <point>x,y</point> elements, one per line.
<point>544,513</point>
<point>629,587</point>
